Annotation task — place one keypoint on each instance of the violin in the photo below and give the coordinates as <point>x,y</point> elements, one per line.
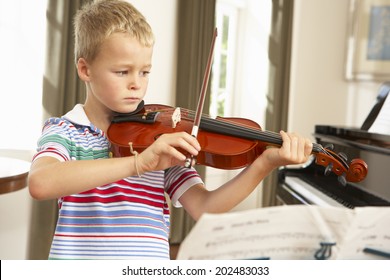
<point>226,142</point>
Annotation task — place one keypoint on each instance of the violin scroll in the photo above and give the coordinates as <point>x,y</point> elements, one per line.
<point>356,171</point>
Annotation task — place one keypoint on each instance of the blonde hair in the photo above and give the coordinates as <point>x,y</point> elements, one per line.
<point>96,21</point>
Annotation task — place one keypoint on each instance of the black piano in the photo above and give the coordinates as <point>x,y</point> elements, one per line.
<point>309,185</point>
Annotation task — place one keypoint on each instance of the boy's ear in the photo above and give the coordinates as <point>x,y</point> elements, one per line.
<point>83,69</point>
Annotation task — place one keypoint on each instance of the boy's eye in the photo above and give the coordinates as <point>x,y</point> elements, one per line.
<point>121,73</point>
<point>145,73</point>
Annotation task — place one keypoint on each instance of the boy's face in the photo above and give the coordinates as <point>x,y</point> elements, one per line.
<point>118,77</point>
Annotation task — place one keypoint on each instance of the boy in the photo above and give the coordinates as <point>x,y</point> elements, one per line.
<point>113,208</point>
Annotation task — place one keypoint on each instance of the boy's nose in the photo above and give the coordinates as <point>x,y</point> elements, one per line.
<point>134,82</point>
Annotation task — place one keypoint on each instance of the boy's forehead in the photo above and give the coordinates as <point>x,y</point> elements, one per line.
<point>121,37</point>
<point>122,41</point>
<point>122,46</point>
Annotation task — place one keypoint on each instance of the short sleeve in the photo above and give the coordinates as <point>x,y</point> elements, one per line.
<point>178,180</point>
<point>54,141</point>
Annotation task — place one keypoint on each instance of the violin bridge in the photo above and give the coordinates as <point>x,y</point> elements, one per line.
<point>176,117</point>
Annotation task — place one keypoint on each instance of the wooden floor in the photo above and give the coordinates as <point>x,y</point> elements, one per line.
<point>174,248</point>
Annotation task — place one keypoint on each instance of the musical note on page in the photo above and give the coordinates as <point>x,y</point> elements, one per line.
<point>370,228</point>
<point>275,232</point>
<point>289,232</point>
<point>381,124</point>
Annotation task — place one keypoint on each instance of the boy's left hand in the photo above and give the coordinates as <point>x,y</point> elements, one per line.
<point>294,150</point>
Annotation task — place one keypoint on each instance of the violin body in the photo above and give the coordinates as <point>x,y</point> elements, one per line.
<point>218,150</point>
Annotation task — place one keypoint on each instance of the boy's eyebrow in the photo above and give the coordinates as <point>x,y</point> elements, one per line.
<point>132,65</point>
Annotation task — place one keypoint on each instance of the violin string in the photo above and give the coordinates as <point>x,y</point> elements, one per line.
<point>263,135</point>
<point>253,132</point>
<point>247,130</point>
<point>273,135</point>
<point>190,115</point>
<point>232,124</point>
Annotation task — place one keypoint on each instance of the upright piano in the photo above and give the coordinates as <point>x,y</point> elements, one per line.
<point>309,185</point>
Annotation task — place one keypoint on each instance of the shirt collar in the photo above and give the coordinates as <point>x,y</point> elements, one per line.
<point>78,116</point>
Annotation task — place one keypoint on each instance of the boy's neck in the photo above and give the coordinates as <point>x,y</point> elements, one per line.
<point>99,117</point>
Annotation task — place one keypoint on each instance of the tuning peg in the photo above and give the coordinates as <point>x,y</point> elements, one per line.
<point>342,180</point>
<point>328,169</point>
<point>343,156</point>
<point>329,146</point>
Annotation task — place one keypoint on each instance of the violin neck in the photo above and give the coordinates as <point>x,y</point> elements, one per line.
<point>237,130</point>
<point>245,132</point>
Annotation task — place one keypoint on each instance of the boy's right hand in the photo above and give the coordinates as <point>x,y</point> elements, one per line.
<point>164,152</point>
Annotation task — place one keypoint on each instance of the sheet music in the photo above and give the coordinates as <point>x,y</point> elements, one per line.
<point>370,228</point>
<point>382,122</point>
<point>289,232</point>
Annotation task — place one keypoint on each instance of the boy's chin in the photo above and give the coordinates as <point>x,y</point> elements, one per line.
<point>130,109</point>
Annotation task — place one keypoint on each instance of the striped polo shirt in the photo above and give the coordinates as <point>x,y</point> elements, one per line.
<point>127,219</point>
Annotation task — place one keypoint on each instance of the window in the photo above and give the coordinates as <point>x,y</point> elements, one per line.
<point>224,57</point>
<point>239,82</point>
<point>22,32</point>
<point>240,68</point>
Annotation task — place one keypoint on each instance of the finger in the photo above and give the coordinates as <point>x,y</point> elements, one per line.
<point>294,147</point>
<point>308,147</point>
<point>285,138</point>
<point>173,142</point>
<point>191,140</point>
<point>301,149</point>
<point>176,154</point>
<point>304,148</point>
<point>188,143</point>
<point>285,148</point>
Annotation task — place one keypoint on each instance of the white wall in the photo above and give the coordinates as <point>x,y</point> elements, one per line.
<point>22,25</point>
<point>162,16</point>
<point>319,92</point>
